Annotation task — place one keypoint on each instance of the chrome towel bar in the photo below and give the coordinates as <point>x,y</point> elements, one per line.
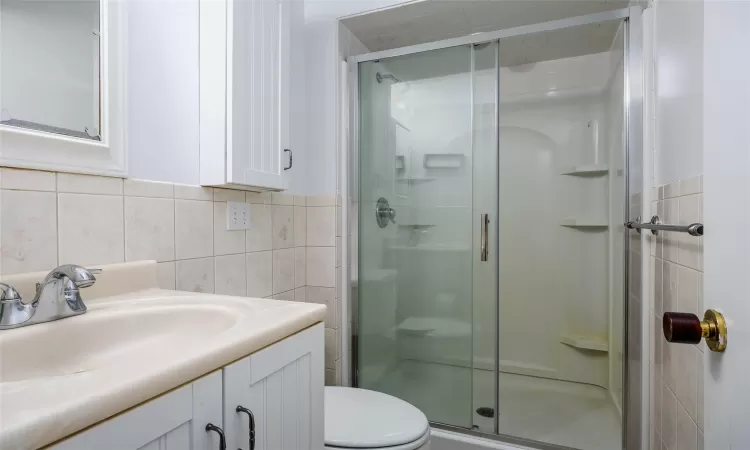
<point>694,229</point>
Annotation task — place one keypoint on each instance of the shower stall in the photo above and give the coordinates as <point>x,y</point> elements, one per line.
<point>489,182</point>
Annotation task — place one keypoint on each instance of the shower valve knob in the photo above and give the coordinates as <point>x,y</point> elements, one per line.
<point>686,328</point>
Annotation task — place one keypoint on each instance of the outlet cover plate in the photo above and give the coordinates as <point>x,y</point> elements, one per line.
<point>238,216</point>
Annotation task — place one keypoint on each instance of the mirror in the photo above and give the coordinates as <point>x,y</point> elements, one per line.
<point>50,72</point>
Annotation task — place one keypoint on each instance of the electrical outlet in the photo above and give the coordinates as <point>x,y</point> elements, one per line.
<point>238,216</point>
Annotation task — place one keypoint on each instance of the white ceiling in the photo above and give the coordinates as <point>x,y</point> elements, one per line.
<point>432,20</point>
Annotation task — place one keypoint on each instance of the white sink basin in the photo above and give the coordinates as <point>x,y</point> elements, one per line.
<point>108,338</point>
<point>59,377</point>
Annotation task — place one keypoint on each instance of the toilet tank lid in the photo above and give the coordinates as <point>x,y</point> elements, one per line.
<point>360,418</point>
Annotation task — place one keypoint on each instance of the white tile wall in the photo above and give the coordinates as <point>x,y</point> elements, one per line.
<point>231,275</point>
<point>321,265</point>
<point>283,270</point>
<point>195,275</point>
<point>258,238</point>
<point>677,274</point>
<point>324,296</point>
<point>90,228</point>
<point>165,275</point>
<point>26,180</point>
<point>321,226</point>
<point>140,188</point>
<point>194,228</point>
<point>87,184</point>
<point>282,222</point>
<point>321,248</point>
<point>259,274</point>
<point>49,218</point>
<point>149,229</point>
<point>300,225</point>
<point>300,261</point>
<point>28,231</point>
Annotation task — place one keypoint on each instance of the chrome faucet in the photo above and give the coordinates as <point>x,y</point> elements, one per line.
<point>57,297</point>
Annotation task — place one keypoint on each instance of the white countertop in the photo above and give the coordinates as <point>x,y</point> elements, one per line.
<point>36,411</point>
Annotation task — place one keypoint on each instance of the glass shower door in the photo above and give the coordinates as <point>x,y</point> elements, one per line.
<point>422,118</point>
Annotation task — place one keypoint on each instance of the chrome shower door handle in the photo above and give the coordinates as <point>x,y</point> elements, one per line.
<point>484,220</point>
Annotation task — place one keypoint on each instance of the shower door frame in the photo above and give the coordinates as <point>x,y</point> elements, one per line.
<point>635,434</point>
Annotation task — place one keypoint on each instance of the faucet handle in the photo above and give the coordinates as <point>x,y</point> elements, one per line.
<point>8,292</point>
<point>13,311</point>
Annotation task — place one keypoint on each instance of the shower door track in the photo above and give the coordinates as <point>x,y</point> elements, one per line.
<point>500,437</point>
<point>633,97</point>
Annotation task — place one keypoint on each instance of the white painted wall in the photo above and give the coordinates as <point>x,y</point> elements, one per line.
<point>679,89</point>
<point>49,62</point>
<point>321,85</point>
<point>163,90</point>
<point>727,188</point>
<point>298,84</point>
<point>325,10</point>
<point>325,47</point>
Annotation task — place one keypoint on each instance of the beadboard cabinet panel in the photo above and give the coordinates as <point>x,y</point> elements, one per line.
<point>283,387</point>
<point>175,421</point>
<point>245,93</point>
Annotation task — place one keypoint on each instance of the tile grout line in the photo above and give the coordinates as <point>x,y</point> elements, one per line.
<point>174,240</point>
<point>57,224</point>
<point>124,228</point>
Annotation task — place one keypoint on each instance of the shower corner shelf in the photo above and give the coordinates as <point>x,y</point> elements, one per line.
<point>587,170</point>
<point>592,343</point>
<point>578,222</point>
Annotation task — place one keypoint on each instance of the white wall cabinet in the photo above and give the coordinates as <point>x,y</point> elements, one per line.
<point>245,93</point>
<point>282,385</point>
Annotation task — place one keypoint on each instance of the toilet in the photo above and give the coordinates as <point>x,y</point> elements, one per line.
<point>363,419</point>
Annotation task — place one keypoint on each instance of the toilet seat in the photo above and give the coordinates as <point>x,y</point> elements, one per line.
<point>364,419</point>
<point>420,444</point>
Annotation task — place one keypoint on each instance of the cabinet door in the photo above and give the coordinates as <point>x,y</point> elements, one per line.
<point>259,33</point>
<point>175,421</point>
<point>283,386</point>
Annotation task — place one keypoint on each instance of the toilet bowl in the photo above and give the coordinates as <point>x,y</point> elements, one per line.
<point>367,420</point>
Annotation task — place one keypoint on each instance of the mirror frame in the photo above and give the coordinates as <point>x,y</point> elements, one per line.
<point>31,149</point>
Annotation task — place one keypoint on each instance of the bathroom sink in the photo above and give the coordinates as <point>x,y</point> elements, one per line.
<point>134,343</point>
<point>109,338</point>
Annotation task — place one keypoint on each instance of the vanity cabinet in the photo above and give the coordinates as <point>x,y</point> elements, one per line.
<point>282,385</point>
<point>245,93</point>
<point>174,421</point>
